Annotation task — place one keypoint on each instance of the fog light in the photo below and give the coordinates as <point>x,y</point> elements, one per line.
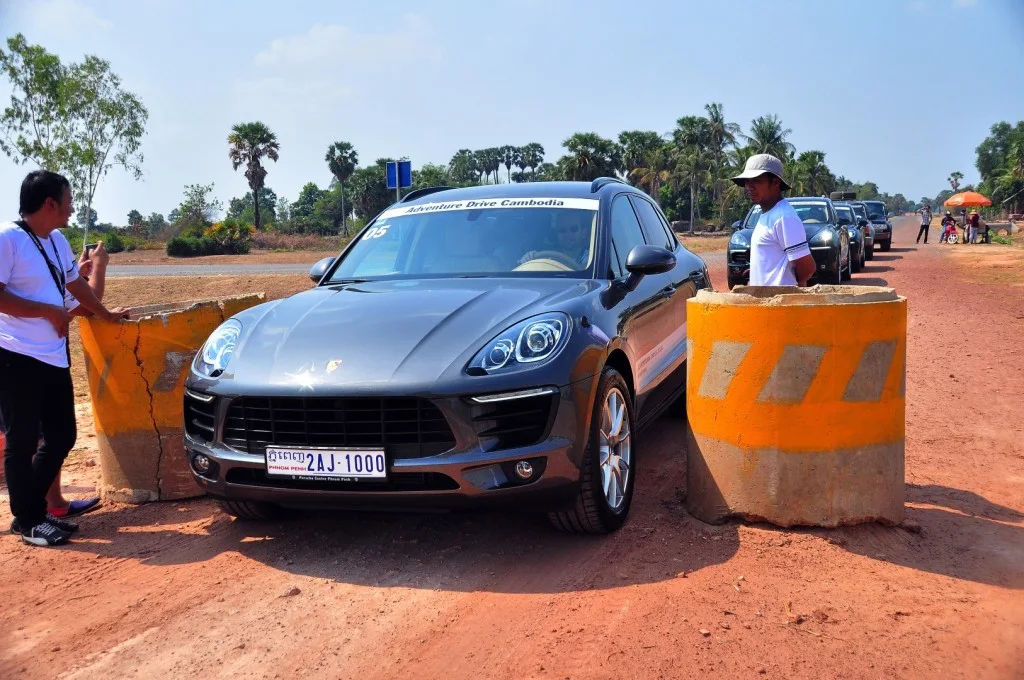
<point>524,470</point>
<point>201,463</point>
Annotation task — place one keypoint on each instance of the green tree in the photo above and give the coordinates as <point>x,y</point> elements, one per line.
<point>430,175</point>
<point>198,210</point>
<point>249,144</point>
<point>531,156</point>
<point>86,226</point>
<point>370,194</point>
<point>306,203</point>
<point>154,224</point>
<point>722,136</point>
<point>34,125</point>
<point>509,156</point>
<point>136,223</point>
<point>590,156</point>
<point>341,159</point>
<point>654,171</point>
<point>812,177</point>
<point>637,145</point>
<point>462,168</point>
<point>768,136</point>
<point>954,180</point>
<point>241,209</point>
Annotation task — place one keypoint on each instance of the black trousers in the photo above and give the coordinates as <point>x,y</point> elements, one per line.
<point>35,398</point>
<point>924,230</point>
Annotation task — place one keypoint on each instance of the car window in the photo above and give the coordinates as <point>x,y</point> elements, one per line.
<point>875,208</point>
<point>860,211</point>
<point>812,213</point>
<point>626,232</point>
<point>655,229</point>
<point>844,213</point>
<point>482,237</point>
<point>751,221</point>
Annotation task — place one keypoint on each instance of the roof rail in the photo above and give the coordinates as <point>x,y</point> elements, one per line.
<point>420,193</point>
<point>601,181</point>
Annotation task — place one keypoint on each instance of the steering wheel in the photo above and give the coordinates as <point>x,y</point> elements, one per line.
<point>559,257</point>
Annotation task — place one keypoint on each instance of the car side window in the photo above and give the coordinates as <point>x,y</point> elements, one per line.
<point>655,228</point>
<point>626,234</point>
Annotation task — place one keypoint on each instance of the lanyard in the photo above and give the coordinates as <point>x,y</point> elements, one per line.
<point>56,272</point>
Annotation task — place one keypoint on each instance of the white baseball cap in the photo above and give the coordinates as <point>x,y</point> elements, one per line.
<point>758,165</point>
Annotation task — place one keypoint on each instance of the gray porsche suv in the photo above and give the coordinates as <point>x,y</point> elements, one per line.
<point>494,345</point>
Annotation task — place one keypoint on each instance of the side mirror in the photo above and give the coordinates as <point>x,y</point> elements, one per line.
<point>645,260</point>
<point>318,270</point>
<point>736,225</point>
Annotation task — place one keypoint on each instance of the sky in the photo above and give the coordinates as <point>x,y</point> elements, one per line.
<point>899,92</point>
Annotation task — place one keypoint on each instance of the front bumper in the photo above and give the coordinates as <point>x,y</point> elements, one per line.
<point>476,472</point>
<point>738,265</point>
<point>882,233</point>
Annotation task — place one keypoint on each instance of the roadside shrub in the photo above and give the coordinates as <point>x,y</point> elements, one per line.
<point>1002,240</point>
<point>113,242</point>
<point>279,241</point>
<point>231,236</point>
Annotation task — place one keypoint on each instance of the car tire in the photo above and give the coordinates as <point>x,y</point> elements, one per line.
<point>733,282</point>
<point>886,245</point>
<point>592,512</point>
<point>858,263</point>
<point>870,255</point>
<point>251,510</point>
<point>846,273</point>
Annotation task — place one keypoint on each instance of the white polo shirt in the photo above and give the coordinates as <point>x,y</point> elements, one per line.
<point>24,273</point>
<point>779,238</point>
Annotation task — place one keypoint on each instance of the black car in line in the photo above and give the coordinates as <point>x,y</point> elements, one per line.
<point>493,345</point>
<point>858,237</point>
<point>829,243</point>
<point>879,218</point>
<point>861,213</point>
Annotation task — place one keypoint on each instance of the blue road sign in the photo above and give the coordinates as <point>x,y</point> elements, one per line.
<point>399,174</point>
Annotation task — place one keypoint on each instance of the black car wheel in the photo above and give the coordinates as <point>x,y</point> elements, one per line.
<point>734,281</point>
<point>608,468</point>
<point>260,512</point>
<point>858,262</point>
<point>870,254</point>
<point>886,245</point>
<point>846,273</point>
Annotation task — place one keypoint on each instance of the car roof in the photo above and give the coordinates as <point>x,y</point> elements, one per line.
<point>594,189</point>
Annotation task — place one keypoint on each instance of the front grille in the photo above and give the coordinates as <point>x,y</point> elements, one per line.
<point>200,410</point>
<point>513,423</point>
<point>397,481</point>
<point>739,256</point>
<point>404,427</point>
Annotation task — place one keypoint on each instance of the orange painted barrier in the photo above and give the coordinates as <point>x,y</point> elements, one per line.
<point>136,371</point>
<point>795,405</point>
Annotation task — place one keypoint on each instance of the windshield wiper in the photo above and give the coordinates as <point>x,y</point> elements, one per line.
<point>336,282</point>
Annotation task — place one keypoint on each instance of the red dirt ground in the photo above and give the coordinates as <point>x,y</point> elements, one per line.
<point>179,589</point>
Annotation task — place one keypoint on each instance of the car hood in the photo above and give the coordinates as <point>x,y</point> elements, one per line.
<point>374,333</point>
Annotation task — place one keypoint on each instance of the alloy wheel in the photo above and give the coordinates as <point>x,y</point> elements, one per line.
<point>616,449</point>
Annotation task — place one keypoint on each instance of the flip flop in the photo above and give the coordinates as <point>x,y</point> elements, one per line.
<point>75,508</point>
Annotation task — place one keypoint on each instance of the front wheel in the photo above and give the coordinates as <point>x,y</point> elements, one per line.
<point>870,254</point>
<point>251,510</point>
<point>886,245</point>
<point>846,273</point>
<point>608,468</point>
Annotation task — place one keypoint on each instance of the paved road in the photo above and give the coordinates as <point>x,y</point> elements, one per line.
<point>139,270</point>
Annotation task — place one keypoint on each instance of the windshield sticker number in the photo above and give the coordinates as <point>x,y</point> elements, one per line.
<point>376,232</point>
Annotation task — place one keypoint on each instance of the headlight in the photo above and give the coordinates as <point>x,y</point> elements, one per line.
<point>527,344</point>
<point>823,238</point>
<point>739,239</point>
<point>213,358</point>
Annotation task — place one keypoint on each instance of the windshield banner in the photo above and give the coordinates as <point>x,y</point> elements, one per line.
<point>493,203</point>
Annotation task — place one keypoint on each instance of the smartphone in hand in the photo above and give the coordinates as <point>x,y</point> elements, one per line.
<point>89,247</point>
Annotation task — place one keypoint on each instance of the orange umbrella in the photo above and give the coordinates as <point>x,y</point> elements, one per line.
<point>967,199</point>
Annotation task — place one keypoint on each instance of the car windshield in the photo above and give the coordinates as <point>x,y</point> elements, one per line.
<point>812,212</point>
<point>485,237</point>
<point>843,212</point>
<point>860,211</point>
<point>752,216</point>
<point>876,208</point>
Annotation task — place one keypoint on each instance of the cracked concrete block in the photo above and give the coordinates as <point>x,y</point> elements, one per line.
<point>136,372</point>
<point>795,405</point>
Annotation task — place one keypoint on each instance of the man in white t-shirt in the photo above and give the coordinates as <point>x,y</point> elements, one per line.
<point>37,273</point>
<point>779,253</point>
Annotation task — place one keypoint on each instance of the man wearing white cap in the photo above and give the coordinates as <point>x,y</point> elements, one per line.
<point>779,254</point>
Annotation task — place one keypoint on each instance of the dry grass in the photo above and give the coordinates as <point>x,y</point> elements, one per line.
<point>991,262</point>
<point>705,244</point>
<point>158,257</point>
<point>136,292</point>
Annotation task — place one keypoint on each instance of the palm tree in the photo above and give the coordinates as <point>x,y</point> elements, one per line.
<point>249,143</point>
<point>693,164</point>
<point>954,180</point>
<point>462,168</point>
<point>509,157</point>
<point>532,155</point>
<point>768,136</point>
<point>341,159</point>
<point>653,172</point>
<point>811,174</point>
<point>721,136</point>
<point>590,156</point>
<point>637,146</point>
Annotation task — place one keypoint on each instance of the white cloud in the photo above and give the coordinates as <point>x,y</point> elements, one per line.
<point>60,17</point>
<point>341,48</point>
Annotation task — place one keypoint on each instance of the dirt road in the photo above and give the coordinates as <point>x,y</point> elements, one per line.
<point>180,590</point>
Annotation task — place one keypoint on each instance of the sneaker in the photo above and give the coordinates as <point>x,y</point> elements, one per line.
<point>45,535</point>
<point>62,524</point>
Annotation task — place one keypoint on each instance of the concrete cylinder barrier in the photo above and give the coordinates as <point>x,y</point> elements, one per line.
<point>795,405</point>
<point>136,371</point>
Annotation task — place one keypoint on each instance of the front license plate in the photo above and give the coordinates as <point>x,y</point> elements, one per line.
<point>317,464</point>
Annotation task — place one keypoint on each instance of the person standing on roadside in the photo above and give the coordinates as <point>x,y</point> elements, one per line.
<point>37,272</point>
<point>926,222</point>
<point>972,228</point>
<point>779,253</point>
